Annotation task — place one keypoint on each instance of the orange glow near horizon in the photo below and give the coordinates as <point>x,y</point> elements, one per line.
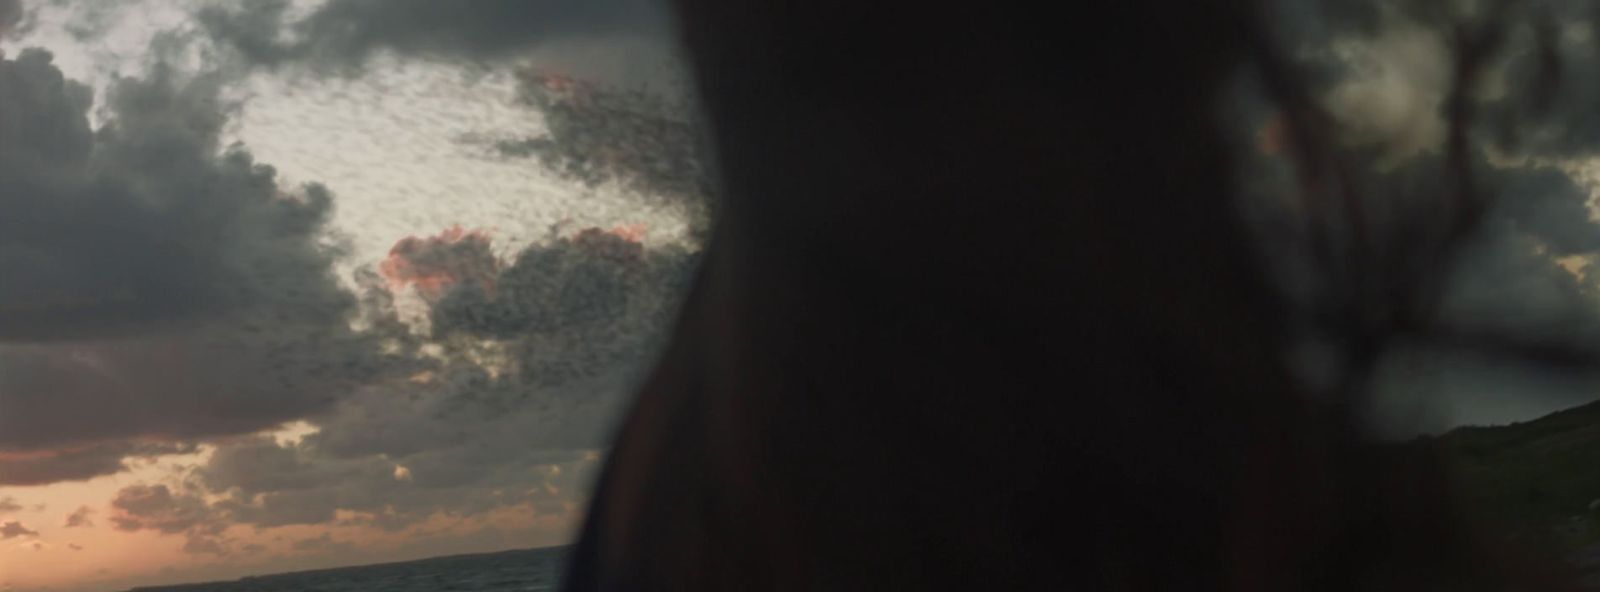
<point>99,557</point>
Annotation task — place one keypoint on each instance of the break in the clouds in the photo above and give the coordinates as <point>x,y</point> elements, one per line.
<point>615,40</point>
<point>621,119</point>
<point>165,289</point>
<point>169,294</point>
<point>499,395</point>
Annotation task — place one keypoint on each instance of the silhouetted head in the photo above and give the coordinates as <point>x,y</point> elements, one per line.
<point>980,313</point>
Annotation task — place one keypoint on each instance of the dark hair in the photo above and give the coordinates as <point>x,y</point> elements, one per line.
<point>979,313</point>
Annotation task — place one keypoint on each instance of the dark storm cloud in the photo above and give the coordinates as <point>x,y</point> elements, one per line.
<point>158,285</point>
<point>644,142</point>
<point>217,382</point>
<point>575,284</point>
<point>43,467</point>
<point>52,467</point>
<point>342,34</point>
<point>141,220</point>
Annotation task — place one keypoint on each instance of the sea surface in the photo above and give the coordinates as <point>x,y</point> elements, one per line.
<point>530,570</point>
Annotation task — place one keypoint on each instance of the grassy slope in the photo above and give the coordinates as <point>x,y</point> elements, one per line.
<point>1535,476</point>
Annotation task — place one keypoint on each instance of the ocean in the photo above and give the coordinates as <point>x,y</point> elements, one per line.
<point>523,570</point>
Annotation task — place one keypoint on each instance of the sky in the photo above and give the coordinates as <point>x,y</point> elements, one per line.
<point>301,284</point>
<point>295,284</point>
<point>1381,72</point>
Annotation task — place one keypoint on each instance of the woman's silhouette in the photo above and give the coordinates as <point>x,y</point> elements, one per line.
<point>978,314</point>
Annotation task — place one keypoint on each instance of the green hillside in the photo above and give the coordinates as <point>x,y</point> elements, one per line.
<point>1537,477</point>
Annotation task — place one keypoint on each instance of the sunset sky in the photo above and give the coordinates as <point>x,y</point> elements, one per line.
<point>408,337</point>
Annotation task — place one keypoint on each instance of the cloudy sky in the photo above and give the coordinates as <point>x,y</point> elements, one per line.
<point>292,284</point>
<point>1518,296</point>
<point>300,284</point>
